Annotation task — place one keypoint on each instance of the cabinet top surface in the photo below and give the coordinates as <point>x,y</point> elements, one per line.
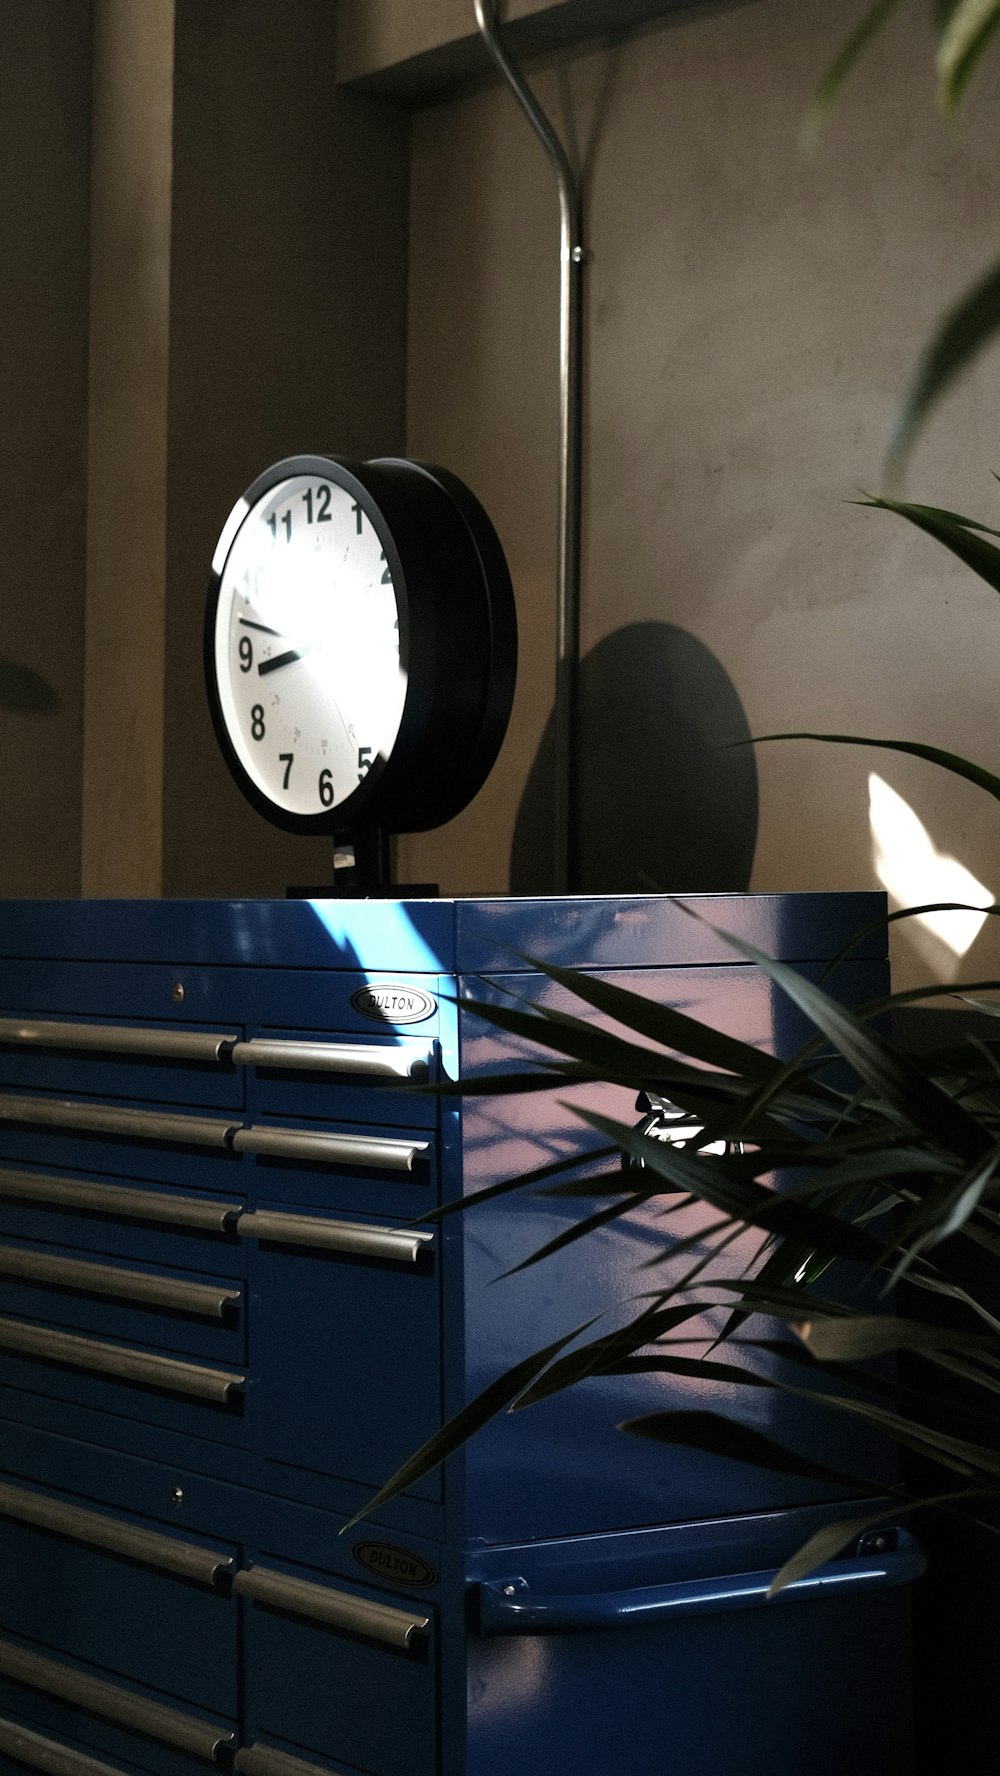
<point>446,936</point>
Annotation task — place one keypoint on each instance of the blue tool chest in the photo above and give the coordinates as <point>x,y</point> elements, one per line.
<point>223,1324</point>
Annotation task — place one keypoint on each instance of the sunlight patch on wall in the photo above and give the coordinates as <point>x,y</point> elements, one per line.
<point>913,872</point>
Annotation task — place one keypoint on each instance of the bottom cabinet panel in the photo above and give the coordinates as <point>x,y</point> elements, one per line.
<point>347,1672</point>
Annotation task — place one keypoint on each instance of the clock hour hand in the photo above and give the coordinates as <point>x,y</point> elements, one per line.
<point>282,660</point>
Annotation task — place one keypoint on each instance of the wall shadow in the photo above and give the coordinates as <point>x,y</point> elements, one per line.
<point>25,691</point>
<point>667,801</point>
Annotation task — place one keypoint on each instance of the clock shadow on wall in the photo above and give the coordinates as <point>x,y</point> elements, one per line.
<point>668,800</point>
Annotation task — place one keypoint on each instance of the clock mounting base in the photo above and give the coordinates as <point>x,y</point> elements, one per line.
<point>362,870</point>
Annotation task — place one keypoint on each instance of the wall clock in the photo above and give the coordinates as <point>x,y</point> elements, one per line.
<point>360,645</point>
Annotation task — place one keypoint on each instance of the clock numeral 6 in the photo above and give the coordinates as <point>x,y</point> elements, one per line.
<point>326,788</point>
<point>257,721</point>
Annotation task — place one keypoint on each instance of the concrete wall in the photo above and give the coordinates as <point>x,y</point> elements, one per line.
<point>44,166</point>
<point>750,318</point>
<point>287,335</point>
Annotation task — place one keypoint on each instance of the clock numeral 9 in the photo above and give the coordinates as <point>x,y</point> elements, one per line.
<point>257,721</point>
<point>246,653</point>
<point>326,788</point>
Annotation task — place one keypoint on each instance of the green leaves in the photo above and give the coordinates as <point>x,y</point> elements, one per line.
<point>965,34</point>
<point>935,755</point>
<point>829,89</point>
<point>712,1434</point>
<point>960,336</point>
<point>965,537</point>
<point>964,30</point>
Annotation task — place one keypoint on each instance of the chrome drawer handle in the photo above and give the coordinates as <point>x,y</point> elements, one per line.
<point>153,1719</point>
<point>263,1760</point>
<point>122,1361</point>
<point>376,1060</point>
<point>109,1119</point>
<point>355,1150</point>
<point>115,1199</point>
<point>167,1045</point>
<point>39,1753</point>
<point>112,1279</point>
<point>203,1565</point>
<point>335,1609</point>
<point>334,1236</point>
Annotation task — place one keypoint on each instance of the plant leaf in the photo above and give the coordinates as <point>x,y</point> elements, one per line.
<point>964,37</point>
<point>878,1063</point>
<point>825,1545</point>
<point>975,1460</point>
<point>856,1340</point>
<point>538,1176</point>
<point>953,532</point>
<point>662,1023</point>
<point>715,1435</point>
<point>828,91</point>
<point>708,1178</point>
<point>949,761</point>
<point>459,1429</point>
<point>959,337</point>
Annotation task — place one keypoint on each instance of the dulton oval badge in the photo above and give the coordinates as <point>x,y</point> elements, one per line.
<point>397,1564</point>
<point>392,1002</point>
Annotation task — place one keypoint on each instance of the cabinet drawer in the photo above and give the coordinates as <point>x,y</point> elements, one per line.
<point>174,1310</point>
<point>119,1593</point>
<point>124,1217</point>
<point>24,1748</point>
<point>180,1148</point>
<point>124,1380</point>
<point>344,1344</point>
<point>159,1064</point>
<point>341,1669</point>
<point>70,1698</point>
<point>342,1165</point>
<point>374,1080</point>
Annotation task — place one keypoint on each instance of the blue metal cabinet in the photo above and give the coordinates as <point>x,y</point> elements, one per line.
<point>223,1322</point>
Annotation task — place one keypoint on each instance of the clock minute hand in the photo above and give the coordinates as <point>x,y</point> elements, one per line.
<point>285,659</point>
<point>245,623</point>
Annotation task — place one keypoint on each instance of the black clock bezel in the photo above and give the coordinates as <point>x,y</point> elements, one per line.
<point>457,637</point>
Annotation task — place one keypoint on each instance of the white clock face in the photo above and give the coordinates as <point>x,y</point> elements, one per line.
<point>307,645</point>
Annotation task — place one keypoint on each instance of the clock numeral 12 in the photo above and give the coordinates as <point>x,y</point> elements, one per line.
<point>323,505</point>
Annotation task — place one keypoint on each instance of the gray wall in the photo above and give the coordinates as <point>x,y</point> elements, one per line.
<point>287,334</point>
<point>750,317</point>
<point>44,152</point>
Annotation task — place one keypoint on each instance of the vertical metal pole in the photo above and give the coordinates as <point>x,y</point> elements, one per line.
<point>572,258</point>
